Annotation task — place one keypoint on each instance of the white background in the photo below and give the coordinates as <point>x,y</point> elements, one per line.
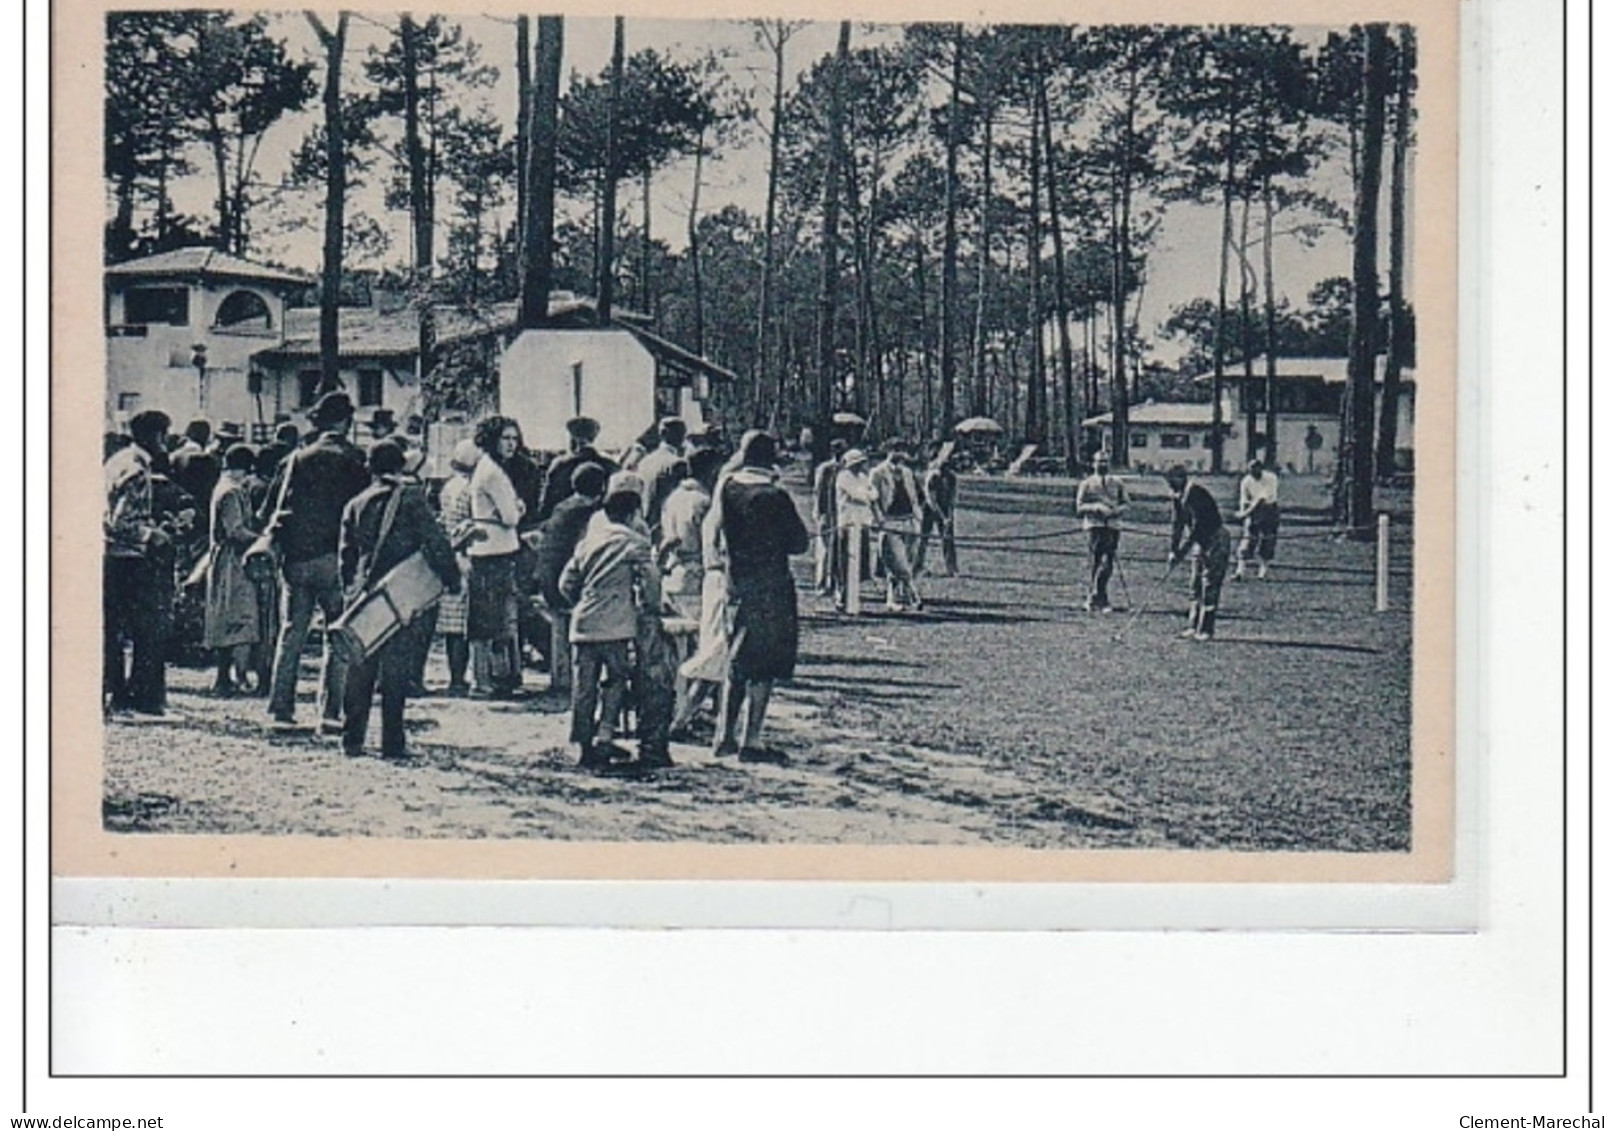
<point>523,1000</point>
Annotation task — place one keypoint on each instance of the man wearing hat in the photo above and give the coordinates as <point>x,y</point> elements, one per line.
<point>581,432</point>
<point>610,582</point>
<point>383,526</point>
<point>1259,510</point>
<point>824,517</point>
<point>307,500</point>
<point>137,572</point>
<point>899,495</point>
<point>856,502</point>
<point>558,537</point>
<point>662,468</point>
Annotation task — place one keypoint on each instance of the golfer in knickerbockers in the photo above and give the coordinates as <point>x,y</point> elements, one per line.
<point>1197,526</point>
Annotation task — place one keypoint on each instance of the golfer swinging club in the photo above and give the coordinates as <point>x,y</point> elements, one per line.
<point>1197,525</point>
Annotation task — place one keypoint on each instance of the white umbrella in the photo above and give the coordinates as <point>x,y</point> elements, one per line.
<point>978,424</point>
<point>850,419</point>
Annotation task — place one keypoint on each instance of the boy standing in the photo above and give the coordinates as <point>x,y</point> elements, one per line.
<point>609,580</point>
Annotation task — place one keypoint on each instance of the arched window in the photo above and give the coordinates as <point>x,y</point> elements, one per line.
<point>243,310</point>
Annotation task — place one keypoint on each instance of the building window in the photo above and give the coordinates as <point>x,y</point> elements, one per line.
<point>1138,439</point>
<point>243,310</point>
<point>1205,440</point>
<point>157,306</point>
<point>369,388</point>
<point>308,385</point>
<point>128,402</point>
<point>1176,440</point>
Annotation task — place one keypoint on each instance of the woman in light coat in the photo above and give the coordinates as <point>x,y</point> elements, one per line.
<point>230,623</point>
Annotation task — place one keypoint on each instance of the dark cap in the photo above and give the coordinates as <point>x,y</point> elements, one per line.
<point>387,457</point>
<point>333,408</point>
<point>588,479</point>
<point>583,428</point>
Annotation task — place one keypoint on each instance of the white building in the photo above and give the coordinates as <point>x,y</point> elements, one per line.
<point>201,334</point>
<point>1162,434</point>
<point>166,313</point>
<point>1308,393</point>
<point>624,376</point>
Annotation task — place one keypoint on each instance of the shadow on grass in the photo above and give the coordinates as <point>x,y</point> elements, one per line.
<point>817,659</point>
<point>1300,645</point>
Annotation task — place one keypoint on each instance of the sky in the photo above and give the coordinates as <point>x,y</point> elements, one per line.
<point>1182,263</point>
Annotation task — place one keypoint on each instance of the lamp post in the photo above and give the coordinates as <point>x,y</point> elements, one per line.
<point>199,359</point>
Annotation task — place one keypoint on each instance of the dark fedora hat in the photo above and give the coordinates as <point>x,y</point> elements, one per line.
<point>332,408</point>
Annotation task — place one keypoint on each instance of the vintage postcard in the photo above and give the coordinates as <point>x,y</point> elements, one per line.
<point>838,445</point>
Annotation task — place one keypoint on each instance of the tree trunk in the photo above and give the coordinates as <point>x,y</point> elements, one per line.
<point>695,252</point>
<point>647,300</point>
<point>1124,262</point>
<point>335,198</point>
<point>828,242</point>
<point>524,122</point>
<point>1398,334</point>
<point>1247,288</point>
<point>765,298</point>
<point>928,424</point>
<point>1270,303</point>
<point>539,249</point>
<point>1365,288</point>
<point>420,195</point>
<point>950,243</point>
<point>1037,422</point>
<point>1062,306</point>
<point>1220,337</point>
<point>978,347</point>
<point>606,271</point>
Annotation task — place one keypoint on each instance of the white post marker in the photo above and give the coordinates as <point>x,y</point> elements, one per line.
<point>1382,566</point>
<point>855,570</point>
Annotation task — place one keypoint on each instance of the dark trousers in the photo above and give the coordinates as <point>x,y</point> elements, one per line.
<point>1102,542</point>
<point>393,667</point>
<point>935,522</point>
<point>655,678</point>
<point>1261,535</point>
<point>135,605</point>
<point>1210,567</point>
<point>595,715</point>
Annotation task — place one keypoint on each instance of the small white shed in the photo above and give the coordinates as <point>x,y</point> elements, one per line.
<point>625,377</point>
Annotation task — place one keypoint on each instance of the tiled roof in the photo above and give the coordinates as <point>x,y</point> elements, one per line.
<point>1186,413</point>
<point>1329,370</point>
<point>364,331</point>
<point>205,262</point>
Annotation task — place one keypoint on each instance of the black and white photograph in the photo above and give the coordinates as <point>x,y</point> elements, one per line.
<point>769,432</point>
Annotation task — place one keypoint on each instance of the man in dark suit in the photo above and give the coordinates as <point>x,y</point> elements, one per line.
<point>304,525</point>
<point>581,432</point>
<point>1197,527</point>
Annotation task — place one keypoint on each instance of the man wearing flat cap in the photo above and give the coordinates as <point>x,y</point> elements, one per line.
<point>581,432</point>
<point>306,502</point>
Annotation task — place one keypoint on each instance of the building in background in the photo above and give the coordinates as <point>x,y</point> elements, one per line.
<point>198,333</point>
<point>182,330</point>
<point>1161,434</point>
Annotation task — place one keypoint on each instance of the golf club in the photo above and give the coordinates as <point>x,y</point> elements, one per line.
<point>1132,617</point>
